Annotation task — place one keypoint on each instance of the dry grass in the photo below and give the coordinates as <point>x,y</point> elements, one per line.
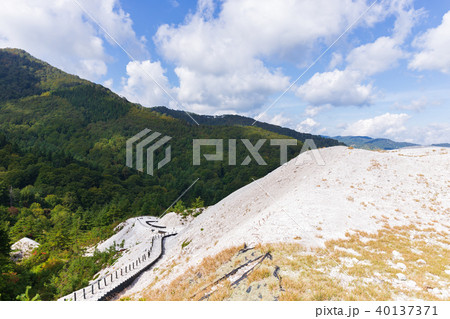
<point>183,288</point>
<point>362,266</point>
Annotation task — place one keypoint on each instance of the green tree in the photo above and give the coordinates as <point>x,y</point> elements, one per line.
<point>198,203</point>
<point>4,240</point>
<point>52,200</point>
<point>179,207</point>
<point>25,296</point>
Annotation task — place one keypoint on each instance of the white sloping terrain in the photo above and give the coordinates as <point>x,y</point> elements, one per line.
<point>354,190</point>
<point>140,242</point>
<point>133,239</point>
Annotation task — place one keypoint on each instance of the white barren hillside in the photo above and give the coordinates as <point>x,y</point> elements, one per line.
<point>309,204</point>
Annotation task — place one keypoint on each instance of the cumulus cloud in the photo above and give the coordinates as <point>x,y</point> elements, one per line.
<point>278,119</point>
<point>375,57</point>
<point>140,84</point>
<point>434,46</point>
<point>431,133</point>
<point>338,88</point>
<point>60,33</point>
<point>220,53</point>
<point>312,111</point>
<point>386,125</point>
<point>108,83</point>
<point>309,125</point>
<point>118,24</point>
<point>346,87</point>
<point>351,85</point>
<point>336,60</point>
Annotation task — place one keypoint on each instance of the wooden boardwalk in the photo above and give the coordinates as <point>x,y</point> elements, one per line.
<point>115,282</point>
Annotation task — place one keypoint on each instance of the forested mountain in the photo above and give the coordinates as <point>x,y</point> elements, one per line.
<point>63,179</point>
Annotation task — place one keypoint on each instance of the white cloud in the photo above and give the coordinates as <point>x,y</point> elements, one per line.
<point>434,47</point>
<point>375,57</point>
<point>351,86</point>
<point>386,125</point>
<point>312,111</point>
<point>238,89</point>
<point>431,133</point>
<point>220,55</point>
<point>406,17</point>
<point>278,119</point>
<point>338,88</point>
<point>310,126</point>
<point>58,32</point>
<point>118,24</point>
<point>346,87</point>
<point>417,105</point>
<point>140,84</point>
<point>435,133</point>
<point>336,60</point>
<point>109,83</point>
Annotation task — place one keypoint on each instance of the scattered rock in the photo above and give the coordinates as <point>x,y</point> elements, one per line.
<point>410,284</point>
<point>397,255</point>
<point>421,261</point>
<point>23,248</point>
<point>401,266</point>
<point>401,277</point>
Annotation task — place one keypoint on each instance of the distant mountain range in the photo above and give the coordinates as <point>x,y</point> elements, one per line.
<point>441,145</point>
<point>370,143</point>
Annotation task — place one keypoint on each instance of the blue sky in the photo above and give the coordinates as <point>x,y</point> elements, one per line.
<point>387,76</point>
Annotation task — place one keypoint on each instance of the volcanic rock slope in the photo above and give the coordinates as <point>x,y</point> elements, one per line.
<point>309,201</point>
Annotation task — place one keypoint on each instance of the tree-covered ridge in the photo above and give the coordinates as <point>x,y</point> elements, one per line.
<point>90,124</point>
<point>230,120</point>
<point>22,75</point>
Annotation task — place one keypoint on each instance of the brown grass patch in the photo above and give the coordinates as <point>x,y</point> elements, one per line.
<point>346,269</point>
